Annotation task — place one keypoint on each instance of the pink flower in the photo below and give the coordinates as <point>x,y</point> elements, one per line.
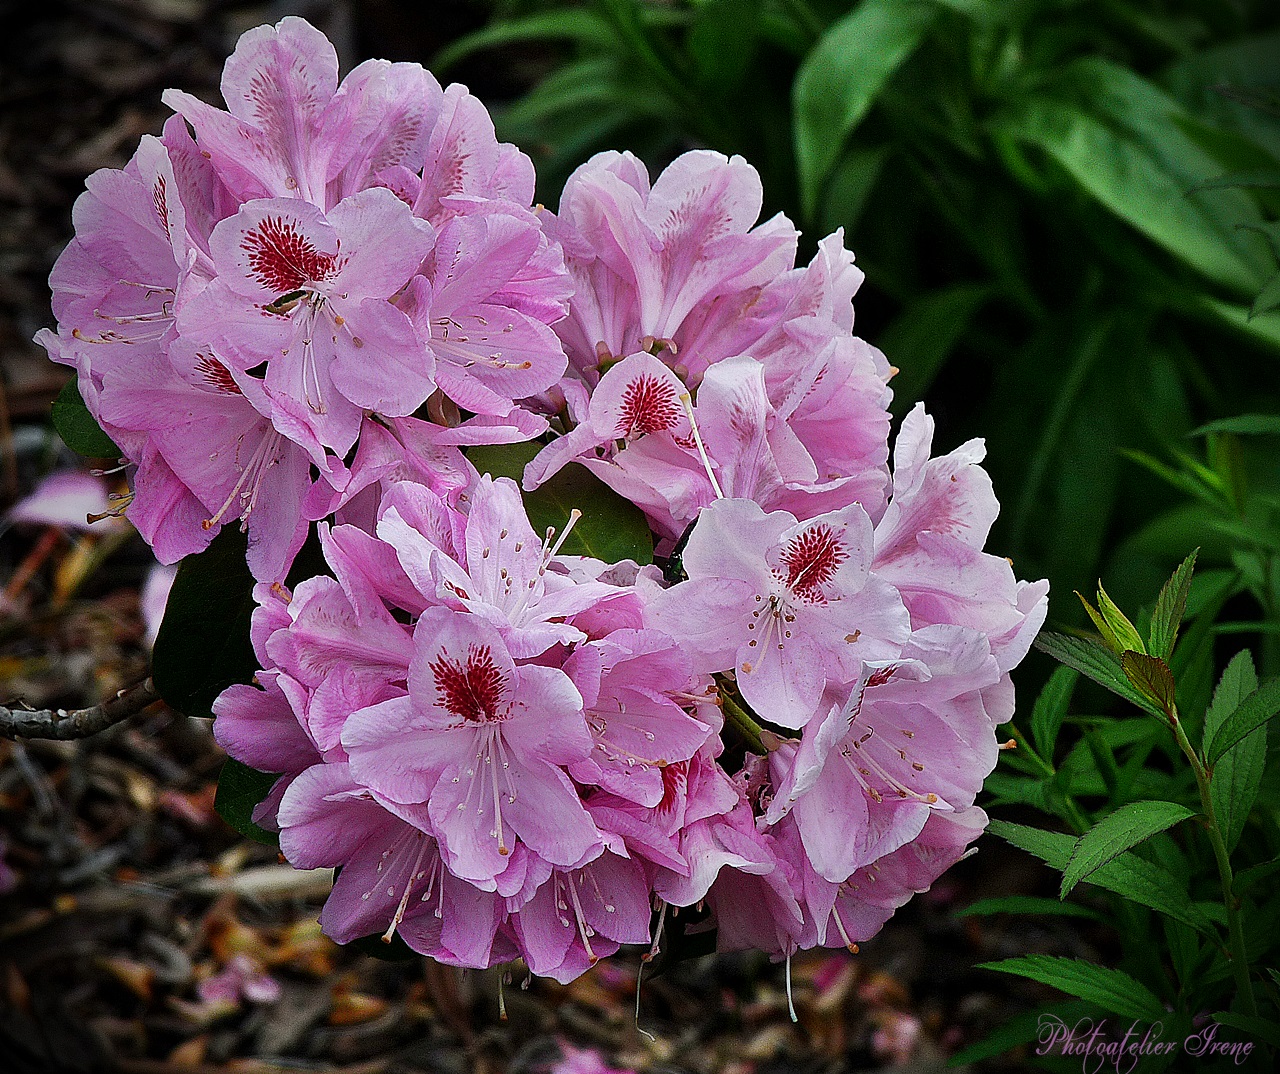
<point>788,605</point>
<point>483,742</point>
<point>306,292</point>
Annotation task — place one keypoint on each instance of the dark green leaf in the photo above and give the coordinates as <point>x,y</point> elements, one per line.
<point>1027,904</point>
<point>1237,776</point>
<point>1112,990</point>
<point>1152,677</point>
<point>1051,709</point>
<point>1117,832</point>
<point>1129,876</point>
<point>1257,1028</point>
<point>1171,604</point>
<point>922,337</point>
<point>1243,424</point>
<point>1268,300</point>
<point>1246,878</point>
<point>1254,711</point>
<point>1090,658</point>
<point>841,78</point>
<point>77,428</point>
<point>1122,140</point>
<point>1017,1031</point>
<point>240,789</point>
<point>203,644</point>
<point>611,528</point>
<point>576,25</point>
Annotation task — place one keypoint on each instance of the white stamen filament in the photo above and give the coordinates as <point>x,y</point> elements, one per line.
<point>686,400</point>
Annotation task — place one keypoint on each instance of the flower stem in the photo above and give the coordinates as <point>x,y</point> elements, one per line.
<point>742,722</point>
<point>1239,960</point>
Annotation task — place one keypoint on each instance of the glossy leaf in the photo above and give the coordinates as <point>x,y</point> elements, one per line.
<point>1117,832</point>
<point>203,644</point>
<point>1243,425</point>
<point>77,427</point>
<point>611,528</point>
<point>240,789</point>
<point>1112,990</point>
<point>1027,904</point>
<point>577,25</point>
<point>841,78</point>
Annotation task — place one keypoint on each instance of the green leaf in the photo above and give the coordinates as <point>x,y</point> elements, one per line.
<point>1128,875</point>
<point>1256,178</point>
<point>1022,1029</point>
<point>77,428</point>
<point>1242,424</point>
<point>925,333</point>
<point>240,789</point>
<point>1051,709</point>
<point>1246,878</point>
<point>841,78</point>
<point>1124,142</point>
<point>1256,1028</point>
<point>577,25</point>
<point>1027,904</point>
<point>611,528</point>
<point>1094,661</point>
<point>1125,633</point>
<point>1171,604</point>
<point>1117,832</point>
<point>1268,299</point>
<point>1152,678</point>
<point>1237,776</point>
<point>1254,711</point>
<point>203,645</point>
<point>1112,990</point>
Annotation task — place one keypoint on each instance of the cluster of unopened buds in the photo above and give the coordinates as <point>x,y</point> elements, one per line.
<point>300,312</point>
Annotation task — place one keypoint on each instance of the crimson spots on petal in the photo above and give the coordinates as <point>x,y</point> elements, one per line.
<point>811,559</point>
<point>881,676</point>
<point>217,375</point>
<point>282,259</point>
<point>649,405</point>
<point>471,689</point>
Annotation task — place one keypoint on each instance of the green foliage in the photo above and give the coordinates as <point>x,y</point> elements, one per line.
<point>240,789</point>
<point>77,428</point>
<point>611,528</point>
<point>203,643</point>
<point>1194,903</point>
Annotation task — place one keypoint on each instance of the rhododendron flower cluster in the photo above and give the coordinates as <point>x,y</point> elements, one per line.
<point>299,314</point>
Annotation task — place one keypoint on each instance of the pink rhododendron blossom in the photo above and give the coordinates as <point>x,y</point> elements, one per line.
<point>307,310</point>
<point>786,605</point>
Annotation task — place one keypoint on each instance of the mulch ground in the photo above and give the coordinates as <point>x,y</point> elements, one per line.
<point>124,899</point>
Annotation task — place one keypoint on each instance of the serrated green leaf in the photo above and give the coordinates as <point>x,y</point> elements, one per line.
<point>1237,777</point>
<point>1112,990</point>
<point>1242,424</point>
<point>841,78</point>
<point>1051,709</point>
<point>1095,662</point>
<point>611,528</point>
<point>203,645</point>
<point>240,789</point>
<point>1128,875</point>
<point>1171,605</point>
<point>1117,832</point>
<point>1027,904</point>
<point>77,428</point>
<point>1253,712</point>
<point>1152,678</point>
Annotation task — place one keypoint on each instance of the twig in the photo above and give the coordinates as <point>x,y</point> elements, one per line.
<point>78,723</point>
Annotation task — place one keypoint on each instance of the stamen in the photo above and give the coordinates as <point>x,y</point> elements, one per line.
<point>687,401</point>
<point>791,1007</point>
